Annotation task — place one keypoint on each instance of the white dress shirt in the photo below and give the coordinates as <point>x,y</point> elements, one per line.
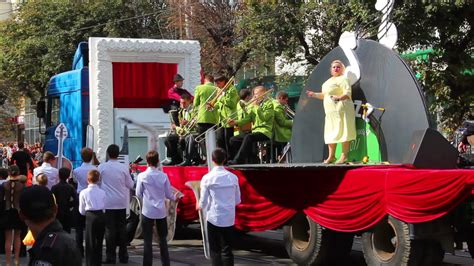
<point>153,187</point>
<point>80,175</point>
<point>50,172</point>
<point>116,182</point>
<point>91,198</point>
<point>220,193</point>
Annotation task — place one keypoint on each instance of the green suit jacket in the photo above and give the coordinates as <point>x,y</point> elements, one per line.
<point>262,118</point>
<point>227,106</point>
<point>283,125</point>
<point>202,95</point>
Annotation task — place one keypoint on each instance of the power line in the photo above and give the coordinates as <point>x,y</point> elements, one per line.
<point>117,21</point>
<point>102,24</point>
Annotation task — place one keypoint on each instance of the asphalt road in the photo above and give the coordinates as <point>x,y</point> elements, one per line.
<point>250,249</point>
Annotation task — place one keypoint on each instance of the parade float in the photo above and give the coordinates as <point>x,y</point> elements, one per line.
<point>398,193</point>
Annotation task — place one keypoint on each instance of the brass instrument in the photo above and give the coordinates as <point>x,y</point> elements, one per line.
<point>186,129</point>
<point>199,138</point>
<point>219,93</point>
<point>210,102</point>
<point>289,112</point>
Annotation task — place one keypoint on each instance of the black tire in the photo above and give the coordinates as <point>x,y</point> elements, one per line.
<point>389,244</point>
<point>134,226</point>
<point>132,223</point>
<point>308,243</point>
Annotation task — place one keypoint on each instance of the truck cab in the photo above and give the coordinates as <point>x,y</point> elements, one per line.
<point>67,101</point>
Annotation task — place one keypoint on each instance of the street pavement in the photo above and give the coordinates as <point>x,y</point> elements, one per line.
<point>263,248</point>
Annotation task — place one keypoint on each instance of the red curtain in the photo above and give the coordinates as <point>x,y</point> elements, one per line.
<point>142,85</point>
<point>343,200</point>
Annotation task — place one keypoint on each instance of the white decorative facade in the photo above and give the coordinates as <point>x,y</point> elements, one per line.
<point>103,52</point>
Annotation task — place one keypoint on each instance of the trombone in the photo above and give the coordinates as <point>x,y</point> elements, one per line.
<point>201,137</point>
<point>220,92</point>
<point>186,129</point>
<point>289,112</point>
<point>209,104</point>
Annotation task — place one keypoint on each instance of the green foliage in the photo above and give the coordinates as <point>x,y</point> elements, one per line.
<point>307,30</point>
<point>40,39</point>
<point>298,30</point>
<point>446,28</point>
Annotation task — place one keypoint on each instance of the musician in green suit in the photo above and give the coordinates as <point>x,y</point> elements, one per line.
<point>226,106</point>
<point>261,115</point>
<point>283,124</point>
<point>206,114</point>
<point>243,111</point>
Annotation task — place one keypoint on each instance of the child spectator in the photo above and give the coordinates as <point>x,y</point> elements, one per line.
<point>65,198</point>
<point>153,187</point>
<point>42,180</point>
<point>80,176</point>
<point>92,205</point>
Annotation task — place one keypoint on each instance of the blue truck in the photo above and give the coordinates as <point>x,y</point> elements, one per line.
<point>68,102</point>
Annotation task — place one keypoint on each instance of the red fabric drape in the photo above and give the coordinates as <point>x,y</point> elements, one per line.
<point>337,198</point>
<point>142,85</point>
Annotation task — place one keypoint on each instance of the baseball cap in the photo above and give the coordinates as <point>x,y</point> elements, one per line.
<point>36,203</point>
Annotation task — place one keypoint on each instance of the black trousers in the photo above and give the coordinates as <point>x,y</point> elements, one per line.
<point>203,127</point>
<point>80,225</point>
<point>191,148</point>
<point>172,149</point>
<point>220,244</point>
<point>64,217</point>
<point>115,228</point>
<point>95,226</point>
<point>162,229</point>
<point>223,136</point>
<point>243,145</point>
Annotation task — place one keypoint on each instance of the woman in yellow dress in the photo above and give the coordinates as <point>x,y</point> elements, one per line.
<point>339,125</point>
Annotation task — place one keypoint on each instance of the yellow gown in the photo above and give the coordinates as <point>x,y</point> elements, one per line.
<point>339,125</point>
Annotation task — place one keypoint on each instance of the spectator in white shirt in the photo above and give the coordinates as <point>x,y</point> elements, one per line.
<point>154,187</point>
<point>92,205</point>
<point>47,169</point>
<point>116,182</point>
<point>80,175</point>
<point>220,193</point>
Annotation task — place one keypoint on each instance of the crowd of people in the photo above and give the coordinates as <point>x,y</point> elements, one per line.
<point>94,199</point>
<point>44,203</point>
<point>240,119</point>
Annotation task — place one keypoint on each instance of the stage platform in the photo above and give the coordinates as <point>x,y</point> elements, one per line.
<point>307,166</point>
<point>346,198</point>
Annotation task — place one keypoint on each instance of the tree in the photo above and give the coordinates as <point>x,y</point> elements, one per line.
<point>214,24</point>
<point>447,74</point>
<point>307,30</point>
<point>40,40</point>
<point>300,30</point>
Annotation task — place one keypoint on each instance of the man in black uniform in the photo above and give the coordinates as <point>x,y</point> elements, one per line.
<point>52,245</point>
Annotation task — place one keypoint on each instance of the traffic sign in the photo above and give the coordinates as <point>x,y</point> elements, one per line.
<point>61,131</point>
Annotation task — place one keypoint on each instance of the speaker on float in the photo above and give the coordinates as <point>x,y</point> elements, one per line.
<point>429,149</point>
